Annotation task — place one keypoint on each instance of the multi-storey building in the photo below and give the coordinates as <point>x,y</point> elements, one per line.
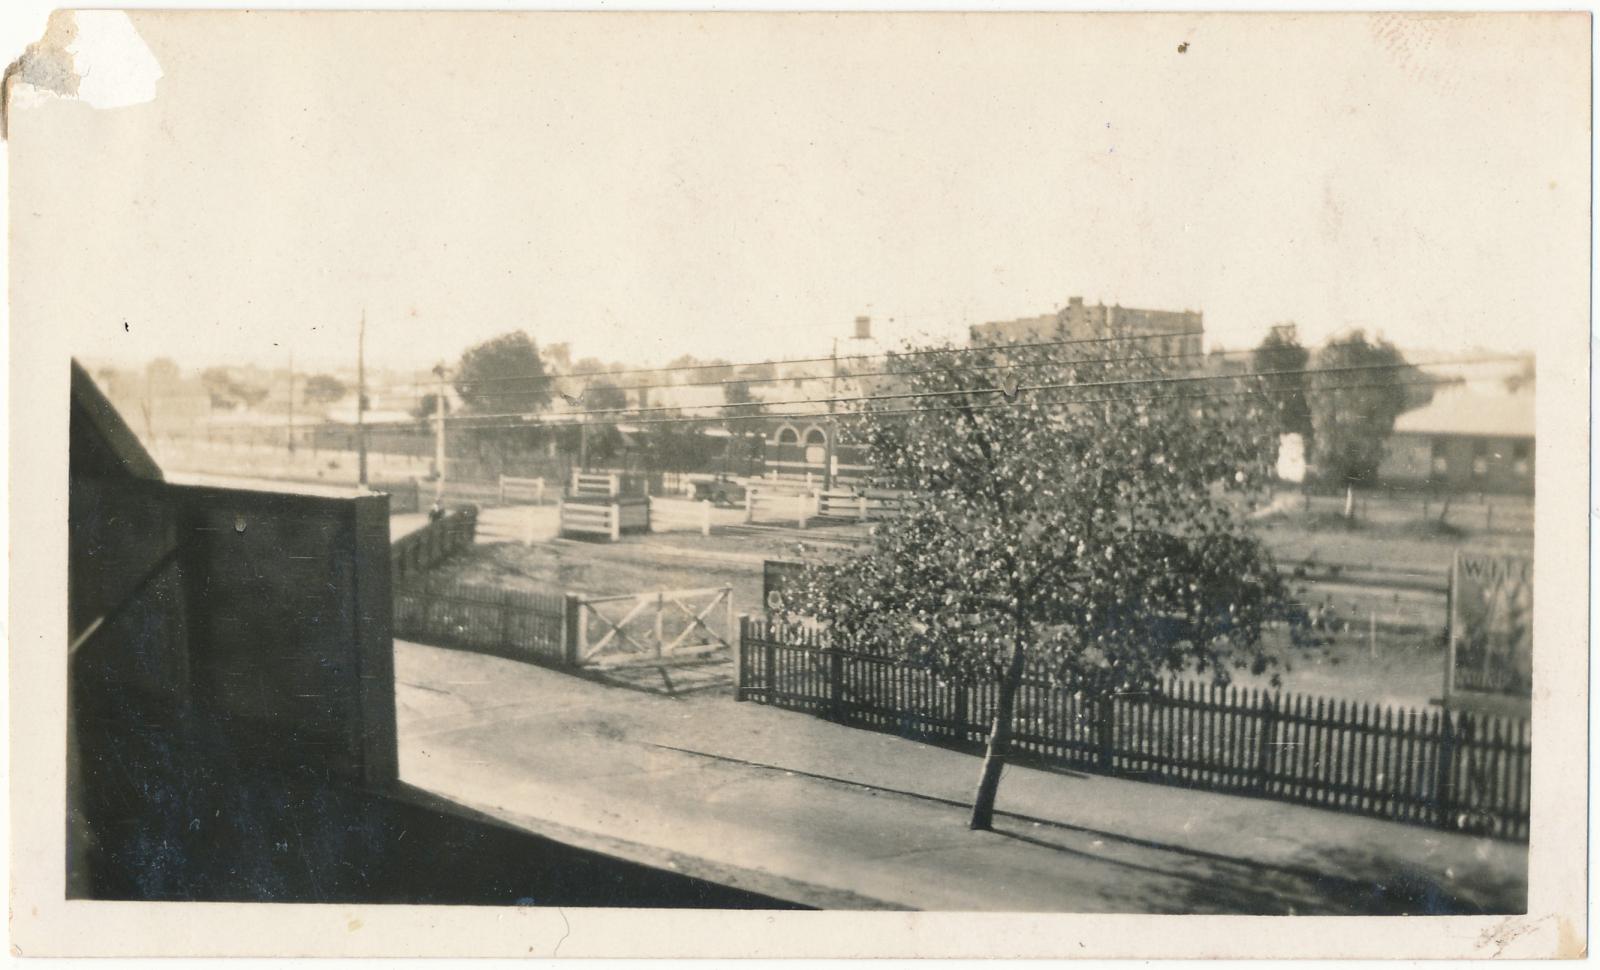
<point>1171,332</point>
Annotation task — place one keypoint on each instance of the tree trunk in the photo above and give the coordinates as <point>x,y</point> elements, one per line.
<point>994,757</point>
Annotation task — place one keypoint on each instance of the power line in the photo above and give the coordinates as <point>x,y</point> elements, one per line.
<point>622,415</point>
<point>724,382</point>
<point>1204,395</point>
<point>418,398</point>
<point>805,415</point>
<point>821,360</point>
<point>1180,379</point>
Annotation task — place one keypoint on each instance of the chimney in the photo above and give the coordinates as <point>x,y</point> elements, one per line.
<point>863,328</point>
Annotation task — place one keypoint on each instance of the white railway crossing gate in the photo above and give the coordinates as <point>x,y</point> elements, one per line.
<point>654,628</point>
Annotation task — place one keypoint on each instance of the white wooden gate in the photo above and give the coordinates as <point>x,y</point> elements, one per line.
<point>654,628</point>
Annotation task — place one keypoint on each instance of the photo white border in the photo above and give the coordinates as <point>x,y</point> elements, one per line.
<point>43,923</point>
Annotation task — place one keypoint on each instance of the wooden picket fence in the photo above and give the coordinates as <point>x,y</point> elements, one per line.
<point>1451,770</point>
<point>413,555</point>
<point>518,624</point>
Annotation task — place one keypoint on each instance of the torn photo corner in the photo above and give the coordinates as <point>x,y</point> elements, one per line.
<point>94,56</point>
<point>799,485</point>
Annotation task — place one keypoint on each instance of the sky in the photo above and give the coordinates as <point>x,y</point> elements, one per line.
<point>743,186</point>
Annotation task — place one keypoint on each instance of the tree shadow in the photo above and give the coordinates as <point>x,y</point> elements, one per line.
<point>1343,882</point>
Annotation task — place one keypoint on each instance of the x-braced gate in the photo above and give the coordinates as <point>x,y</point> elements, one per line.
<point>653,628</point>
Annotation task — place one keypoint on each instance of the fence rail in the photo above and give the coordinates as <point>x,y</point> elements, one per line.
<point>1452,770</point>
<point>767,503</point>
<point>861,506</point>
<point>523,489</point>
<point>675,514</point>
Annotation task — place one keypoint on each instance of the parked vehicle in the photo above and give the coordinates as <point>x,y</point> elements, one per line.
<point>723,491</point>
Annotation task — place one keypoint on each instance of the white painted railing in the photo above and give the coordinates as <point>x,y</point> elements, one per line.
<point>525,489</point>
<point>580,517</point>
<point>767,504</point>
<point>673,514</point>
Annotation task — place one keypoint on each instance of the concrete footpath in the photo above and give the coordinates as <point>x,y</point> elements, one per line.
<point>794,807</point>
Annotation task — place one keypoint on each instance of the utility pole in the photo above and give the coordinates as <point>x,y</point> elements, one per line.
<point>438,435</point>
<point>863,332</point>
<point>361,398</point>
<point>833,422</point>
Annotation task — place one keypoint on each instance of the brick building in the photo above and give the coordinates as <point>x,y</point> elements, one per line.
<point>1175,331</point>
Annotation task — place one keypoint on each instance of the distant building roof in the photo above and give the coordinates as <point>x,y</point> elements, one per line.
<point>1469,413</point>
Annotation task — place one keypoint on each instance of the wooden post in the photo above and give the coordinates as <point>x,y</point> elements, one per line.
<point>750,505</point>
<point>505,617</point>
<point>963,728</point>
<point>615,520</point>
<point>738,651</point>
<point>835,683</point>
<point>770,665</point>
<point>1268,737</point>
<point>1105,711</point>
<point>800,509</point>
<point>502,488</point>
<point>1444,781</point>
<point>705,518</point>
<point>863,501</point>
<point>572,632</point>
<point>659,604</point>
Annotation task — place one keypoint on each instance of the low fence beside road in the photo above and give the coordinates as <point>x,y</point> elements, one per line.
<point>412,555</point>
<point>518,624</point>
<point>1451,770</point>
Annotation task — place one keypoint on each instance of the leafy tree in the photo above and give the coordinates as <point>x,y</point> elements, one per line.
<point>163,375</point>
<point>715,369</point>
<point>746,442</point>
<point>324,389</point>
<point>559,356</point>
<point>1091,535</point>
<point>605,396</point>
<point>1280,351</point>
<point>1525,378</point>
<point>1357,387</point>
<point>677,446</point>
<point>226,392</point>
<point>762,371</point>
<point>594,436</point>
<point>504,375</point>
<point>428,406</point>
